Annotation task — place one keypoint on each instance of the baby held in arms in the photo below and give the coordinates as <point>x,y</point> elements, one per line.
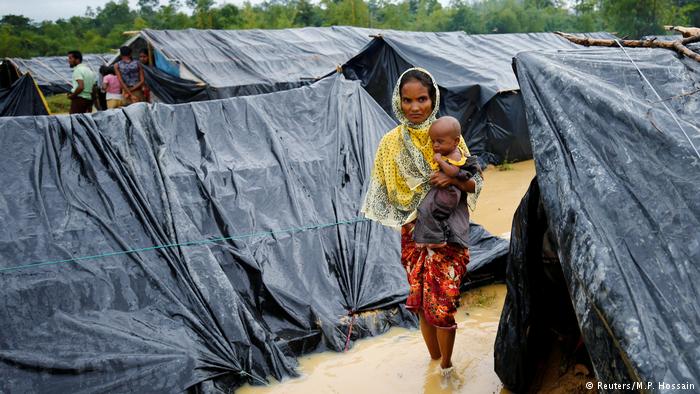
<point>443,215</point>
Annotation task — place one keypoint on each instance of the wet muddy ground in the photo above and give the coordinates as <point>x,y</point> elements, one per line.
<point>398,362</point>
<point>501,195</point>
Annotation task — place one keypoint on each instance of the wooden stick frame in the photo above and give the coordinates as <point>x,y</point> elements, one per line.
<point>678,45</point>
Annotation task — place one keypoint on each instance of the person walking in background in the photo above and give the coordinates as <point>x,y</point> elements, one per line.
<point>111,87</point>
<point>130,75</point>
<point>145,62</point>
<point>83,81</point>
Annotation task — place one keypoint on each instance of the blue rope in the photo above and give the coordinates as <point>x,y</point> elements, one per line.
<point>189,243</point>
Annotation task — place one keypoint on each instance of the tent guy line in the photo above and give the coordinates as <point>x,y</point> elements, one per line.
<point>188,243</point>
<point>659,97</point>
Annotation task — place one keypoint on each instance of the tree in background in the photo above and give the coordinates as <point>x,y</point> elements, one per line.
<point>588,16</point>
<point>202,14</point>
<point>463,17</point>
<point>100,29</point>
<point>345,12</point>
<point>307,14</point>
<point>637,18</point>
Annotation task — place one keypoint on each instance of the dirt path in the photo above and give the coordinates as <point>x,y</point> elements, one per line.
<point>501,195</point>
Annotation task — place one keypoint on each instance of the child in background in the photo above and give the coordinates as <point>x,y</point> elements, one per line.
<point>443,215</point>
<point>145,62</point>
<point>110,85</point>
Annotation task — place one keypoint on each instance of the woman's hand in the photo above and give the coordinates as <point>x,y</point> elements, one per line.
<point>440,180</point>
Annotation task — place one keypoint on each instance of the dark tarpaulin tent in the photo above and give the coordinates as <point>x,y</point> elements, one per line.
<point>163,247</point>
<point>475,76</point>
<point>172,318</point>
<point>245,62</point>
<point>53,74</point>
<point>672,37</point>
<point>19,94</point>
<point>619,178</point>
<point>22,99</point>
<point>488,254</point>
<point>166,88</point>
<point>538,316</point>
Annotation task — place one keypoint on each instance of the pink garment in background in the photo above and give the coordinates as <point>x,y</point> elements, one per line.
<point>110,84</point>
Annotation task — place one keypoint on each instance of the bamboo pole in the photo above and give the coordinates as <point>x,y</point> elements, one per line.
<point>685,31</point>
<point>677,45</point>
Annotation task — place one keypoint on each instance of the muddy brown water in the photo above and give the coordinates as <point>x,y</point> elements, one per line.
<point>397,361</point>
<point>501,195</point>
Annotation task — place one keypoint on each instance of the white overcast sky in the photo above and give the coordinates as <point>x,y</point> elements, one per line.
<point>40,10</point>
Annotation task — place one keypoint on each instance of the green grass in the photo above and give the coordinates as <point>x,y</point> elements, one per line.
<point>480,298</point>
<point>505,166</point>
<point>58,104</point>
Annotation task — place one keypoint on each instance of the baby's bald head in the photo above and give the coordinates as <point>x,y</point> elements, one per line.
<point>447,126</point>
<point>445,134</point>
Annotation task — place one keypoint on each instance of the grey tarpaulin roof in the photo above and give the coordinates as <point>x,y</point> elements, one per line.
<point>239,62</point>
<point>620,182</point>
<point>457,59</point>
<point>259,61</point>
<point>672,37</point>
<point>53,74</point>
<point>470,70</point>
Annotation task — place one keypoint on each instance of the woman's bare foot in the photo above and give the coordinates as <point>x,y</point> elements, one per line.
<point>450,378</point>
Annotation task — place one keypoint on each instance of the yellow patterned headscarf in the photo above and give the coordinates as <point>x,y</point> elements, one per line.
<point>402,166</point>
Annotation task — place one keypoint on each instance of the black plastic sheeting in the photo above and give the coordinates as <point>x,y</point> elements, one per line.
<point>53,74</point>
<point>22,99</point>
<point>498,133</point>
<point>173,90</point>
<point>488,255</point>
<point>694,47</point>
<point>280,175</point>
<point>537,305</point>
<point>619,184</point>
<point>245,62</point>
<point>672,37</point>
<point>475,77</point>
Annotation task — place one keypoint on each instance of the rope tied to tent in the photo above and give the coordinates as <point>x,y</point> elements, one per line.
<point>661,100</point>
<point>180,244</point>
<point>257,379</point>
<point>352,315</point>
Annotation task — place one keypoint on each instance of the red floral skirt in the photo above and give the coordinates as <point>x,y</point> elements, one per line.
<point>434,277</point>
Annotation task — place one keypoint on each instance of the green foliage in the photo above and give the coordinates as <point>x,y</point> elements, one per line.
<point>100,29</point>
<point>505,166</point>
<point>640,17</point>
<point>58,104</point>
<point>345,12</point>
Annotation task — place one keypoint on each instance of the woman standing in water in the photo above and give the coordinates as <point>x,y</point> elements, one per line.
<point>404,171</point>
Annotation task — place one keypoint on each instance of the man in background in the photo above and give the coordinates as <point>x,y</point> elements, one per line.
<point>83,81</point>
